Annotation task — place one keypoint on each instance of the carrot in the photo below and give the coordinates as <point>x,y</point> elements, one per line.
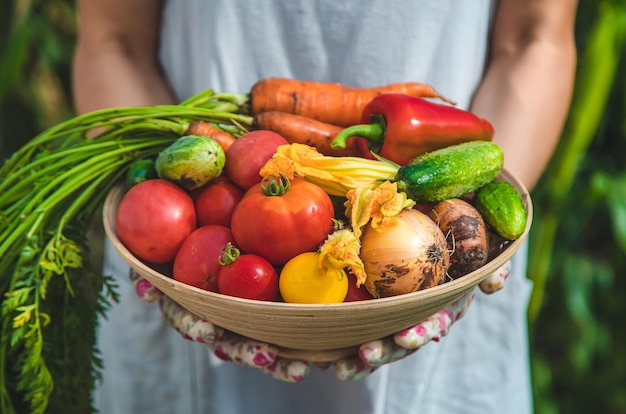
<point>333,103</point>
<point>302,130</point>
<point>203,128</point>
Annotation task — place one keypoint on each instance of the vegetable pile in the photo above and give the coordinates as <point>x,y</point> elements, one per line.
<point>267,195</point>
<point>314,219</point>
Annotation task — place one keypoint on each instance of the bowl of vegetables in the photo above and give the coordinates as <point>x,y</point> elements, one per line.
<point>330,329</point>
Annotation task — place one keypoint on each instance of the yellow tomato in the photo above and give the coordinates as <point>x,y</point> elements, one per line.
<point>301,281</point>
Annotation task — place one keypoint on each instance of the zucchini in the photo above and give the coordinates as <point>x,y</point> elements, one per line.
<point>502,209</point>
<point>450,172</point>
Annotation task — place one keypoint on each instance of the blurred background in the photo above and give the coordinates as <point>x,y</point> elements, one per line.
<point>578,239</point>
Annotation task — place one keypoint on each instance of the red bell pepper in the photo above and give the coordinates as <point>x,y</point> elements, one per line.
<point>401,127</point>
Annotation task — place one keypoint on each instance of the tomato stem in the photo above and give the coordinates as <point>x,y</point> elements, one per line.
<point>229,255</point>
<point>275,186</point>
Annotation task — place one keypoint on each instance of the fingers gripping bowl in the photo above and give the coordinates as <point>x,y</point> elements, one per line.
<point>314,332</point>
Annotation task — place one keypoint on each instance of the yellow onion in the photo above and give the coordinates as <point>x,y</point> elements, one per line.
<point>405,256</point>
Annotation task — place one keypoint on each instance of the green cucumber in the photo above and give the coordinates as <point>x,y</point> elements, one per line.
<point>450,172</point>
<point>191,161</point>
<point>140,170</point>
<point>502,209</point>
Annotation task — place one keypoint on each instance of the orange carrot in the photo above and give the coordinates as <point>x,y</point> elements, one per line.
<point>302,130</point>
<point>332,103</point>
<point>224,138</point>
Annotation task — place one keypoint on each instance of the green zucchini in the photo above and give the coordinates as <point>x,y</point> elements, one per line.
<point>502,209</point>
<point>450,172</point>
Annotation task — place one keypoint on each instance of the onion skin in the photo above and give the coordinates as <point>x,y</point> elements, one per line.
<point>404,257</point>
<point>466,233</point>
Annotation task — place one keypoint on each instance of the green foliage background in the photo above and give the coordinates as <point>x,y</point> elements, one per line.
<point>578,240</point>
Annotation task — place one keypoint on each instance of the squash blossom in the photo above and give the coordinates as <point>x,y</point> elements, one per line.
<point>341,250</point>
<point>336,175</point>
<point>379,203</point>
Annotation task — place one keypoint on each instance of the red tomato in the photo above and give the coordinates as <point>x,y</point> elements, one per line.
<point>281,227</point>
<point>216,202</point>
<point>197,262</point>
<point>248,154</point>
<point>356,293</point>
<point>250,277</point>
<point>154,218</point>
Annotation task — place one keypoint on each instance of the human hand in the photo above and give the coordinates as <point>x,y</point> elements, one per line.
<point>231,347</point>
<point>225,345</point>
<point>144,289</point>
<point>495,281</point>
<point>383,351</point>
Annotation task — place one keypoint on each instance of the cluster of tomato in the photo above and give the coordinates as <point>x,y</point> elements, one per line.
<point>230,236</point>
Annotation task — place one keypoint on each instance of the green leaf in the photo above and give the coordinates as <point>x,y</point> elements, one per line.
<point>578,274</point>
<point>613,189</point>
<point>24,317</point>
<point>14,57</point>
<point>617,206</point>
<point>15,298</point>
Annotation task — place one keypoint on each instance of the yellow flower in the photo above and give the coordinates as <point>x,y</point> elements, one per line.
<point>279,166</point>
<point>379,203</point>
<point>340,250</point>
<point>336,175</point>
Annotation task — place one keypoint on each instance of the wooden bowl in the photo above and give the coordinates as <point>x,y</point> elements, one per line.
<point>313,332</point>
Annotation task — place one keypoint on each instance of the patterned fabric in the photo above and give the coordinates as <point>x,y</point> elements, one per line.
<point>230,347</point>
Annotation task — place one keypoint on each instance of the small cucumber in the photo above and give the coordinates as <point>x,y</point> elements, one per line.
<point>139,171</point>
<point>502,208</point>
<point>450,172</point>
<point>191,161</point>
